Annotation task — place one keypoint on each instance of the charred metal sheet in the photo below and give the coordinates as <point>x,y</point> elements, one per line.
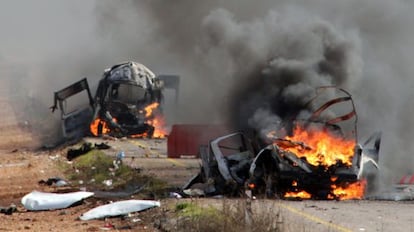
<point>225,164</point>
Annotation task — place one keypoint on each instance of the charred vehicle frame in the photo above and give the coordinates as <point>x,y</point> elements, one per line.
<point>275,170</point>
<point>118,107</point>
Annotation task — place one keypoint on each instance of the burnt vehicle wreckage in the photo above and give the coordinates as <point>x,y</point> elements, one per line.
<point>317,159</point>
<point>127,99</point>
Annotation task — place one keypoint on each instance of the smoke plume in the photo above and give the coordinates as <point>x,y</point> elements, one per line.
<point>237,57</point>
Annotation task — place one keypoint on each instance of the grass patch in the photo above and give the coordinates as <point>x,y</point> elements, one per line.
<point>226,215</point>
<point>193,217</point>
<point>194,211</point>
<point>95,169</point>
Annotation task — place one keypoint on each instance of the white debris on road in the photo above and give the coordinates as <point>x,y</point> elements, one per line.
<point>49,201</point>
<point>119,208</point>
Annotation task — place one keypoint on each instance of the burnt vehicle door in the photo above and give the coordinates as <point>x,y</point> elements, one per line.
<point>279,169</point>
<point>75,119</point>
<point>225,165</point>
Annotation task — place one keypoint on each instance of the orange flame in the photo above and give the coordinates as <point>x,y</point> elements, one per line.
<point>94,126</point>
<point>351,192</point>
<point>301,194</point>
<point>152,117</point>
<point>324,148</point>
<point>321,147</point>
<point>156,120</point>
<point>159,124</point>
<point>150,108</point>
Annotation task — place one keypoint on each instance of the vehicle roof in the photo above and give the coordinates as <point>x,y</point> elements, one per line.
<point>131,73</point>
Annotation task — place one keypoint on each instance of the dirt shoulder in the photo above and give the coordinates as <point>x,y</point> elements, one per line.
<point>23,169</point>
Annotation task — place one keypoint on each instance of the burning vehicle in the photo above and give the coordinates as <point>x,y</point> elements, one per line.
<point>314,156</point>
<point>127,102</point>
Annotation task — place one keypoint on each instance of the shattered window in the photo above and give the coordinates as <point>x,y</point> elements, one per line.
<point>75,102</point>
<point>129,94</point>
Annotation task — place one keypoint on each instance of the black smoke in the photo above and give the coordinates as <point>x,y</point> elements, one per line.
<point>244,62</point>
<point>256,62</point>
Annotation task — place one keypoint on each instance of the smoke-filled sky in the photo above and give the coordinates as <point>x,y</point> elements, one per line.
<point>234,56</point>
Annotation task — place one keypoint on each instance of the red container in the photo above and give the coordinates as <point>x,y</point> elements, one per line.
<point>185,139</point>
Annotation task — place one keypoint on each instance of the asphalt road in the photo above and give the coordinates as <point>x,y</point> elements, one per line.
<point>350,215</point>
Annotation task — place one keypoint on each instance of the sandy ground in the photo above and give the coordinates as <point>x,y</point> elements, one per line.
<point>22,170</point>
<point>22,166</point>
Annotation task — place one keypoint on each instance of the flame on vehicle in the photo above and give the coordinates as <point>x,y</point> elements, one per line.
<point>300,194</point>
<point>156,120</point>
<point>159,124</point>
<point>97,123</point>
<point>322,148</point>
<point>353,191</point>
<point>152,117</point>
<point>150,109</point>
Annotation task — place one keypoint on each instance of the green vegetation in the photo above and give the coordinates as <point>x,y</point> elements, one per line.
<point>194,211</point>
<point>97,171</point>
<point>231,215</point>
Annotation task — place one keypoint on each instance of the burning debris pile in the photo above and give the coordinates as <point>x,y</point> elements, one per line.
<point>310,157</point>
<point>127,103</point>
<point>319,165</point>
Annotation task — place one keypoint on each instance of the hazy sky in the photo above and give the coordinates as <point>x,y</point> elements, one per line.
<point>32,29</point>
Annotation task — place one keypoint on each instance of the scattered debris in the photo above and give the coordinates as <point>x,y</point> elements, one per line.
<point>49,201</point>
<point>8,210</point>
<point>85,148</point>
<point>108,183</point>
<point>195,192</point>
<point>175,195</point>
<point>119,208</point>
<point>118,161</point>
<point>120,156</point>
<point>54,181</point>
<point>14,165</point>
<point>102,146</point>
<point>73,153</point>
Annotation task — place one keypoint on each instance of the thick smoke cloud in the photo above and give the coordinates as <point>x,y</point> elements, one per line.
<point>278,62</point>
<point>235,57</point>
<point>226,49</point>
